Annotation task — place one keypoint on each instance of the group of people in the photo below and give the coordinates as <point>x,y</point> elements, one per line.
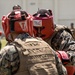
<point>32,44</point>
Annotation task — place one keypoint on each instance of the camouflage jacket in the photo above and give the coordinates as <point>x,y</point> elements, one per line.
<point>9,59</point>
<point>61,37</point>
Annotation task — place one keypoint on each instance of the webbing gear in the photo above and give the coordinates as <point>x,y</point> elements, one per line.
<point>36,57</point>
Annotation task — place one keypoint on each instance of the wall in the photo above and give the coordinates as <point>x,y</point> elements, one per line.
<point>63,10</point>
<point>66,11</point>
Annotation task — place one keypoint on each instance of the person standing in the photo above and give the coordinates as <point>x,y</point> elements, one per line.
<point>25,54</point>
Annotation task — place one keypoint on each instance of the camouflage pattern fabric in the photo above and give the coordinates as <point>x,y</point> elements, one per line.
<point>70,48</point>
<point>60,67</point>
<point>9,60</point>
<point>60,38</point>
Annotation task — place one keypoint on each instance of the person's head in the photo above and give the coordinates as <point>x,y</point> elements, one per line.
<point>16,24</point>
<point>16,7</point>
<point>43,23</point>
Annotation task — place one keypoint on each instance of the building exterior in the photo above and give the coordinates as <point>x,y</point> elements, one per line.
<point>63,10</point>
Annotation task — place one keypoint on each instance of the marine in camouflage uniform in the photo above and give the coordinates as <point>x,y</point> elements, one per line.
<point>25,55</point>
<point>44,27</point>
<point>64,41</point>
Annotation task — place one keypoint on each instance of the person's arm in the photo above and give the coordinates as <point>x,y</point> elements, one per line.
<point>60,67</point>
<point>9,60</point>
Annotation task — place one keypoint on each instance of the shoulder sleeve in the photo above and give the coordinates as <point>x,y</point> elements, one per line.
<point>59,27</point>
<point>9,60</point>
